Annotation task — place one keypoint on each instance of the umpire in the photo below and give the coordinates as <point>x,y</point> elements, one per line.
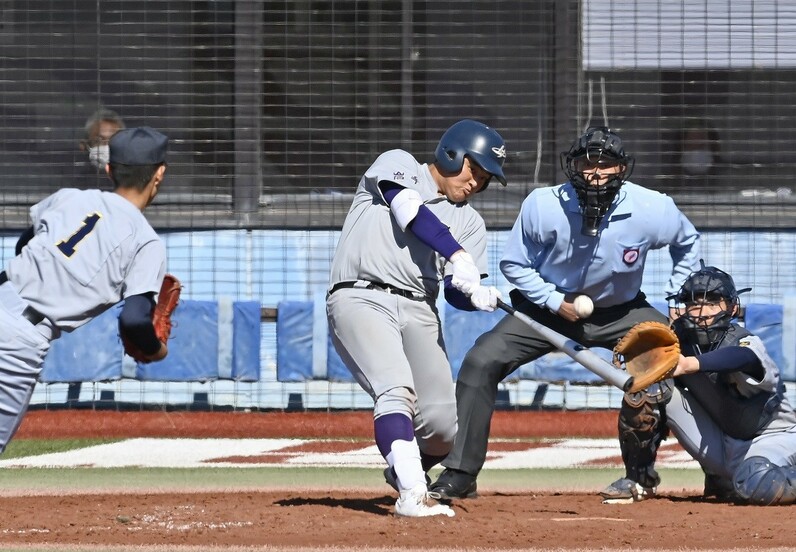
<point>589,236</point>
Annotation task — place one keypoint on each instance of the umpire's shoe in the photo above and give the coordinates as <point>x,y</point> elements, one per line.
<point>455,484</point>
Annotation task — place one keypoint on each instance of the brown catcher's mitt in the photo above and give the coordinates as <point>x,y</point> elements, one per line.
<point>168,298</point>
<point>649,351</point>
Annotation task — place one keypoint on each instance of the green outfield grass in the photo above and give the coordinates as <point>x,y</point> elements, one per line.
<point>33,447</point>
<point>504,481</point>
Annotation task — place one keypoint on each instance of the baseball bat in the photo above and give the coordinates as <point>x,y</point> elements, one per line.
<point>580,354</point>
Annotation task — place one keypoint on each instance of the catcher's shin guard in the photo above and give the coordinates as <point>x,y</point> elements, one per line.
<point>640,435</point>
<point>760,482</point>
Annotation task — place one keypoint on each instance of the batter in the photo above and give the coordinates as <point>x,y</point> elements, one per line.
<point>409,228</point>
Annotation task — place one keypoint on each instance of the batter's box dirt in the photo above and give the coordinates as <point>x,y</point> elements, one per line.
<point>350,519</point>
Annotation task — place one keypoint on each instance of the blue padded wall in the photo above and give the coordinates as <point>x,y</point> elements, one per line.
<point>246,341</point>
<point>294,341</point>
<point>461,329</point>
<point>94,351</point>
<point>193,347</point>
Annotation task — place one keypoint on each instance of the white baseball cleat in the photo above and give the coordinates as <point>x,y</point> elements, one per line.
<point>420,502</point>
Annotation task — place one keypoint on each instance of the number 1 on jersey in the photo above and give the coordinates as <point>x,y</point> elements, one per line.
<point>67,247</point>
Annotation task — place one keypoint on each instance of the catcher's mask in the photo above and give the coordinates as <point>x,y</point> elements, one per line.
<point>707,286</point>
<point>482,144</point>
<point>598,148</point>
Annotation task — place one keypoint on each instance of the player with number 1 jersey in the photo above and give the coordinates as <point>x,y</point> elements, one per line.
<point>85,251</point>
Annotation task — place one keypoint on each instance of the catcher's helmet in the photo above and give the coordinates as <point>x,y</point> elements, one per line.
<point>475,140</point>
<point>707,285</point>
<point>597,147</point>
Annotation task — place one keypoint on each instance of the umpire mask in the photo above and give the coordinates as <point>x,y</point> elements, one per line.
<point>596,166</point>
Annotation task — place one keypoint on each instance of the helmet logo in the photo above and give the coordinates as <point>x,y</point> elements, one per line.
<point>630,256</point>
<point>500,152</point>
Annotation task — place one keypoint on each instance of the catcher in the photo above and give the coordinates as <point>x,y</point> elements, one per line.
<point>85,251</point>
<point>728,408</point>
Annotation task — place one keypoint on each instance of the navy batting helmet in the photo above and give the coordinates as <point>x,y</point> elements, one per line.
<point>468,138</point>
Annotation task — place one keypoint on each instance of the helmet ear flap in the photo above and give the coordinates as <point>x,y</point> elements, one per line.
<point>451,155</point>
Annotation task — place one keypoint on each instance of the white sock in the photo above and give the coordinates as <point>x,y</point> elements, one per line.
<point>404,458</point>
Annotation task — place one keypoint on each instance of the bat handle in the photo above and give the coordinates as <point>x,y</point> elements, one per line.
<point>506,307</point>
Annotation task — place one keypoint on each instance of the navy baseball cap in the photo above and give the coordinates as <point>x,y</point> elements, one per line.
<point>138,146</point>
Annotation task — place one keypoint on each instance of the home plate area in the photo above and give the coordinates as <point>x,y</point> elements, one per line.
<point>257,453</point>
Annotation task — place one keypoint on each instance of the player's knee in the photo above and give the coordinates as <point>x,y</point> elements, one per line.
<point>759,481</point>
<point>400,400</point>
<point>437,430</point>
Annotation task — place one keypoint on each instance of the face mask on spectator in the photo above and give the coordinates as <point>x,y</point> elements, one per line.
<point>99,155</point>
<point>697,162</point>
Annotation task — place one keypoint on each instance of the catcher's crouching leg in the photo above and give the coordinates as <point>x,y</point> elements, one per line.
<point>641,430</point>
<point>758,481</point>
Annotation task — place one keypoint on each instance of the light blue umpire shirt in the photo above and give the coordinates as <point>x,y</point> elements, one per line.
<point>546,256</point>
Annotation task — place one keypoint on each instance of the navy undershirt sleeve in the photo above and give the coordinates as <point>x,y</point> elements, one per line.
<point>135,323</point>
<point>732,359</point>
<point>456,298</point>
<point>426,226</point>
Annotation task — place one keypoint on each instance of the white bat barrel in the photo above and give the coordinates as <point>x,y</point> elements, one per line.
<point>580,354</point>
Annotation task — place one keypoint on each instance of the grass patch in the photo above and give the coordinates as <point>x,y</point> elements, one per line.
<point>36,447</point>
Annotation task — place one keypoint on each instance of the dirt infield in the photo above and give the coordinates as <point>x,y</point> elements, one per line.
<point>43,424</point>
<point>361,518</point>
<point>353,519</point>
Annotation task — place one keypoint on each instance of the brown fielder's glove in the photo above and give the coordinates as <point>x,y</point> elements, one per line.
<point>649,351</point>
<point>168,298</point>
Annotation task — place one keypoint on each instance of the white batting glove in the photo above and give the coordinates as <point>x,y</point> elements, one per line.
<point>485,298</point>
<point>466,276</point>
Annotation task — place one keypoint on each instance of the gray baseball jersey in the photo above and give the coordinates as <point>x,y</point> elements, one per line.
<point>389,341</point>
<point>372,245</point>
<point>720,454</point>
<point>91,249</point>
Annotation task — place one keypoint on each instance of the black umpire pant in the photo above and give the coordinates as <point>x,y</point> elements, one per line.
<point>509,345</point>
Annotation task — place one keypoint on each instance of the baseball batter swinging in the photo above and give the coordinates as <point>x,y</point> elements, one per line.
<point>409,228</point>
<point>86,251</point>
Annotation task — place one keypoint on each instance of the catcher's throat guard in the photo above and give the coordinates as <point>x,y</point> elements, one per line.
<point>649,352</point>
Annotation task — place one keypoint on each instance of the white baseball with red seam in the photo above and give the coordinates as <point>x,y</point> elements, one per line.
<point>583,306</point>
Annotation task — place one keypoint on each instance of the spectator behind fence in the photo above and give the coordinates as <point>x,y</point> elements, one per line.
<point>99,129</point>
<point>700,154</point>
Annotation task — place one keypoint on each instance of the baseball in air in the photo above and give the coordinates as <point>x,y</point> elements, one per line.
<point>583,306</point>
